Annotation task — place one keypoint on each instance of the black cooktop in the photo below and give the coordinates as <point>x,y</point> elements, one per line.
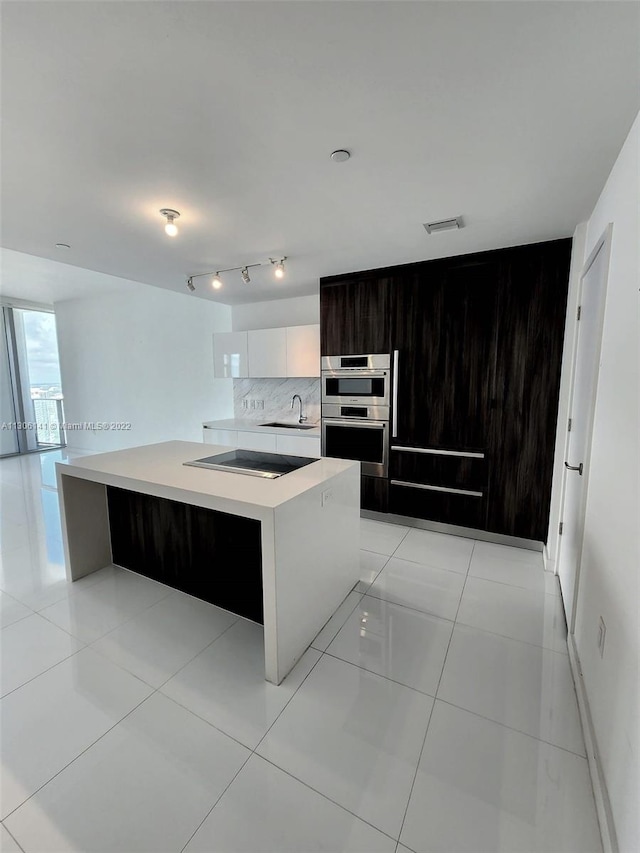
<point>256,463</point>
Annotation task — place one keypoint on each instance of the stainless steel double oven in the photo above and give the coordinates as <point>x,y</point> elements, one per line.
<point>356,392</point>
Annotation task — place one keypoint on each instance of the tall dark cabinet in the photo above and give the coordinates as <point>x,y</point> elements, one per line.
<point>478,345</point>
<point>354,315</point>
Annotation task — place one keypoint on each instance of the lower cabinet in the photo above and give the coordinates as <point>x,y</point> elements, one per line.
<point>374,494</point>
<point>270,442</point>
<point>189,548</point>
<point>227,437</point>
<point>449,487</point>
<point>434,504</point>
<point>298,445</point>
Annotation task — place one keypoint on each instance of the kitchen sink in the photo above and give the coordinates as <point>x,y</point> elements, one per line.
<point>290,426</point>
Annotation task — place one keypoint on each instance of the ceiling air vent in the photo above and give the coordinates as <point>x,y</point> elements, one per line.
<point>444,225</point>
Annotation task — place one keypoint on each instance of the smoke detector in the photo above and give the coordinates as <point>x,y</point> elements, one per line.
<point>444,225</point>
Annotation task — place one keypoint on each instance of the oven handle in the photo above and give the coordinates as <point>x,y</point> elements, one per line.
<point>351,422</point>
<point>394,412</point>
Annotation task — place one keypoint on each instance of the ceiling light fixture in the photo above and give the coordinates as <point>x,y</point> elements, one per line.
<point>279,265</point>
<point>216,280</point>
<point>170,227</point>
<point>341,155</point>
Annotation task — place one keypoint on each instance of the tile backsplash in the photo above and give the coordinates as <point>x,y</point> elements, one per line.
<point>276,394</point>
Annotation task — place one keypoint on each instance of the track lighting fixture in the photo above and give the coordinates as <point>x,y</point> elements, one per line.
<point>170,227</point>
<point>216,280</point>
<point>279,265</point>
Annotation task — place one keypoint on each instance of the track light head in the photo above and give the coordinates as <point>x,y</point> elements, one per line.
<point>170,215</point>
<point>279,265</point>
<point>245,275</point>
<point>216,281</point>
<point>190,284</point>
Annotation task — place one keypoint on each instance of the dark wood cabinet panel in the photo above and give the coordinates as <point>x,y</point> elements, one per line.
<point>445,331</point>
<point>479,340</point>
<point>461,510</point>
<point>354,316</point>
<point>454,472</point>
<point>212,555</point>
<point>375,494</point>
<point>532,307</point>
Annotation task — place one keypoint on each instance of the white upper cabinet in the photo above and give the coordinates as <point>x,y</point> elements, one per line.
<point>303,350</point>
<point>288,351</point>
<point>230,355</point>
<point>267,352</point>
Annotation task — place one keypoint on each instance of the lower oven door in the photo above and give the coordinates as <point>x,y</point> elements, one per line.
<point>365,441</point>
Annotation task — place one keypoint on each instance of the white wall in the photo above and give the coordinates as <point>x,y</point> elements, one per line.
<point>608,585</point>
<point>297,311</point>
<point>144,356</point>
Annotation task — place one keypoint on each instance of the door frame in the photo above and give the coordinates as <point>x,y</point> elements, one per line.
<point>604,244</point>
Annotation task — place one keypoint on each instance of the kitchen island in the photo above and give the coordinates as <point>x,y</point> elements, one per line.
<point>281,551</point>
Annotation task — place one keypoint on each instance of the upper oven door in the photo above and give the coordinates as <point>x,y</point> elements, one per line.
<point>370,387</point>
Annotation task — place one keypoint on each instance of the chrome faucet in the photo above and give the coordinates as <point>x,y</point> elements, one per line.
<point>302,417</point>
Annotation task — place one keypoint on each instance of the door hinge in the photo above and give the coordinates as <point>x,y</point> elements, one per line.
<point>569,425</point>
<point>560,529</point>
<point>579,311</point>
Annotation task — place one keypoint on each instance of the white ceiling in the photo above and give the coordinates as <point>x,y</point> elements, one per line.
<point>510,114</point>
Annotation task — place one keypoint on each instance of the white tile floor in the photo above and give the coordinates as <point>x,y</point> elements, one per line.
<point>434,713</point>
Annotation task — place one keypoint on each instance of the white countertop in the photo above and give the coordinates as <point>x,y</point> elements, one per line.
<point>160,467</point>
<point>254,426</point>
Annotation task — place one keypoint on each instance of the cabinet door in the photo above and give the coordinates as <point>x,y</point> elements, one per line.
<point>297,445</point>
<point>532,306</point>
<point>444,332</point>
<point>267,352</point>
<point>303,350</point>
<point>354,316</point>
<point>257,441</point>
<point>229,354</point>
<point>226,437</point>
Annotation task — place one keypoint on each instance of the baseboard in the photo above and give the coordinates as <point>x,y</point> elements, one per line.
<point>453,529</point>
<point>600,793</point>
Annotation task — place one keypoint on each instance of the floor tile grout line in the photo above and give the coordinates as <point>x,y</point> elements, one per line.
<point>417,562</point>
<point>513,639</point>
<point>7,830</point>
<point>75,758</point>
<point>512,728</point>
<point>379,675</point>
<point>444,663</point>
<point>252,752</point>
<point>515,586</point>
<point>517,639</point>
<point>407,607</point>
<point>325,796</point>
<point>120,624</point>
<point>348,616</point>
<point>53,666</point>
<point>417,770</point>
<point>208,646</point>
<point>19,619</point>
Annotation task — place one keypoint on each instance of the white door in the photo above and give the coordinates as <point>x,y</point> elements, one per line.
<point>585,377</point>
